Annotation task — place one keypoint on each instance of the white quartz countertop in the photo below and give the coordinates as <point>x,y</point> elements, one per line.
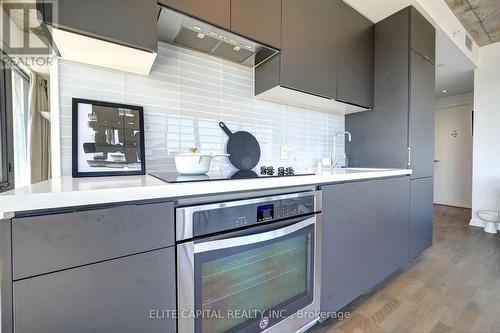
<point>68,191</point>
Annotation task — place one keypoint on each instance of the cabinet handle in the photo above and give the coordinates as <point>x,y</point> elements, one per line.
<point>409,156</point>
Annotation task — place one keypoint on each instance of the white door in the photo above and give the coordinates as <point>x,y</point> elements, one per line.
<point>453,155</point>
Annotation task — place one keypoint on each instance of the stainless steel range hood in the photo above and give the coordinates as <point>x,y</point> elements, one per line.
<point>182,30</point>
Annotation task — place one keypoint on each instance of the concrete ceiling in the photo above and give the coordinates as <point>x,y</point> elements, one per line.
<point>481,18</point>
<point>454,71</point>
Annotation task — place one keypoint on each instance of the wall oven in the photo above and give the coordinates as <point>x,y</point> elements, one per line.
<point>249,265</point>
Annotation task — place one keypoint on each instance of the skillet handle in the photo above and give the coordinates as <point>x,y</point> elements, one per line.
<point>225,129</point>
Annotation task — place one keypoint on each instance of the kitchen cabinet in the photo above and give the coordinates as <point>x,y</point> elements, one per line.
<point>355,66</point>
<point>392,220</point>
<point>259,20</point>
<point>309,46</point>
<point>399,131</point>
<point>127,22</point>
<point>421,115</point>
<point>5,277</point>
<point>326,59</point>
<point>423,40</point>
<point>365,237</point>
<point>47,243</point>
<point>217,12</point>
<point>421,215</point>
<point>111,296</point>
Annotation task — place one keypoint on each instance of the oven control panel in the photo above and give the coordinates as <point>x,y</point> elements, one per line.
<point>213,218</point>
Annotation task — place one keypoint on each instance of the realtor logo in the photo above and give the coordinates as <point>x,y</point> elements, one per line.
<point>23,34</point>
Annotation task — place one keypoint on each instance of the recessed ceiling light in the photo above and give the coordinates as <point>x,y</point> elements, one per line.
<point>444,91</point>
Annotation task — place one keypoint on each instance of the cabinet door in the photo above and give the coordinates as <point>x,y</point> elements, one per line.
<point>257,19</point>
<point>348,243</point>
<point>381,135</point>
<point>355,67</point>
<point>421,118</point>
<point>421,215</point>
<point>309,46</point>
<point>47,243</point>
<point>5,277</point>
<point>423,36</point>
<point>213,11</point>
<point>112,296</point>
<point>393,200</point>
<point>128,22</point>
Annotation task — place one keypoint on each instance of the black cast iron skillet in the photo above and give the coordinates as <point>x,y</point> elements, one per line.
<point>243,149</point>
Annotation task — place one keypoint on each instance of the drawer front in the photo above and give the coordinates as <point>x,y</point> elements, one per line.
<point>121,295</point>
<point>43,244</point>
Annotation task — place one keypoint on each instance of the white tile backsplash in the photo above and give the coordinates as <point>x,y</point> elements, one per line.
<point>184,98</point>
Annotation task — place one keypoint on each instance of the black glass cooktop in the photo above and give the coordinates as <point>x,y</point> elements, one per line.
<point>219,175</point>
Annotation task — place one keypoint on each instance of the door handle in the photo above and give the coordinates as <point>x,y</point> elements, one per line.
<point>409,156</point>
<point>437,161</point>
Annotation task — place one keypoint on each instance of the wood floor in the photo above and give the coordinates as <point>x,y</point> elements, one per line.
<point>452,287</point>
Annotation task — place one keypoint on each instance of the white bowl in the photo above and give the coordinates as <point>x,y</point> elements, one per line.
<point>194,163</point>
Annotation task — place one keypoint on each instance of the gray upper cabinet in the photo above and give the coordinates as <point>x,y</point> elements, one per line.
<point>422,113</point>
<point>217,12</point>
<point>423,39</point>
<point>128,22</point>
<point>48,243</point>
<point>355,66</point>
<point>112,296</point>
<point>309,46</point>
<point>259,20</point>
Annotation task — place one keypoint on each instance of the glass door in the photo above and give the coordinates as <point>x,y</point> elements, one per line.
<point>249,283</point>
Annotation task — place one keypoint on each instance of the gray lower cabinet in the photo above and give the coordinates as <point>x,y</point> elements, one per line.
<point>365,237</point>
<point>112,296</point>
<point>421,215</point>
<point>5,277</point>
<point>47,243</point>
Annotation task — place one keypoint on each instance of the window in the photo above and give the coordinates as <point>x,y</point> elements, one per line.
<point>20,115</point>
<point>6,140</point>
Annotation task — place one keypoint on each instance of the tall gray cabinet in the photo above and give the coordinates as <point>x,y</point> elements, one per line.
<point>399,131</point>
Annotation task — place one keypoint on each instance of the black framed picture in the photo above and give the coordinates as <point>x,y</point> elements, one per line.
<point>108,139</point>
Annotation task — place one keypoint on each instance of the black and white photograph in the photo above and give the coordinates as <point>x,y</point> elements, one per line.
<point>108,139</point>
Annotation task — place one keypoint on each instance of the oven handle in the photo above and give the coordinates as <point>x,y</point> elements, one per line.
<point>252,239</point>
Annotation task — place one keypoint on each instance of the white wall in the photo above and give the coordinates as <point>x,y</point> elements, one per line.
<point>486,156</point>
<point>184,98</point>
<point>453,172</point>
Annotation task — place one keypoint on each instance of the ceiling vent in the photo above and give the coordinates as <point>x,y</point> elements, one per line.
<point>468,42</point>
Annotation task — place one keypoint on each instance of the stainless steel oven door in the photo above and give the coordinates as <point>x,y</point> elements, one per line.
<point>251,282</point>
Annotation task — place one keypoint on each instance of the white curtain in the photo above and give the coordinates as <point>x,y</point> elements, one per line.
<point>38,130</point>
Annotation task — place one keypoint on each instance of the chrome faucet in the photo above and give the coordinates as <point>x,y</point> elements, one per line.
<point>334,158</point>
